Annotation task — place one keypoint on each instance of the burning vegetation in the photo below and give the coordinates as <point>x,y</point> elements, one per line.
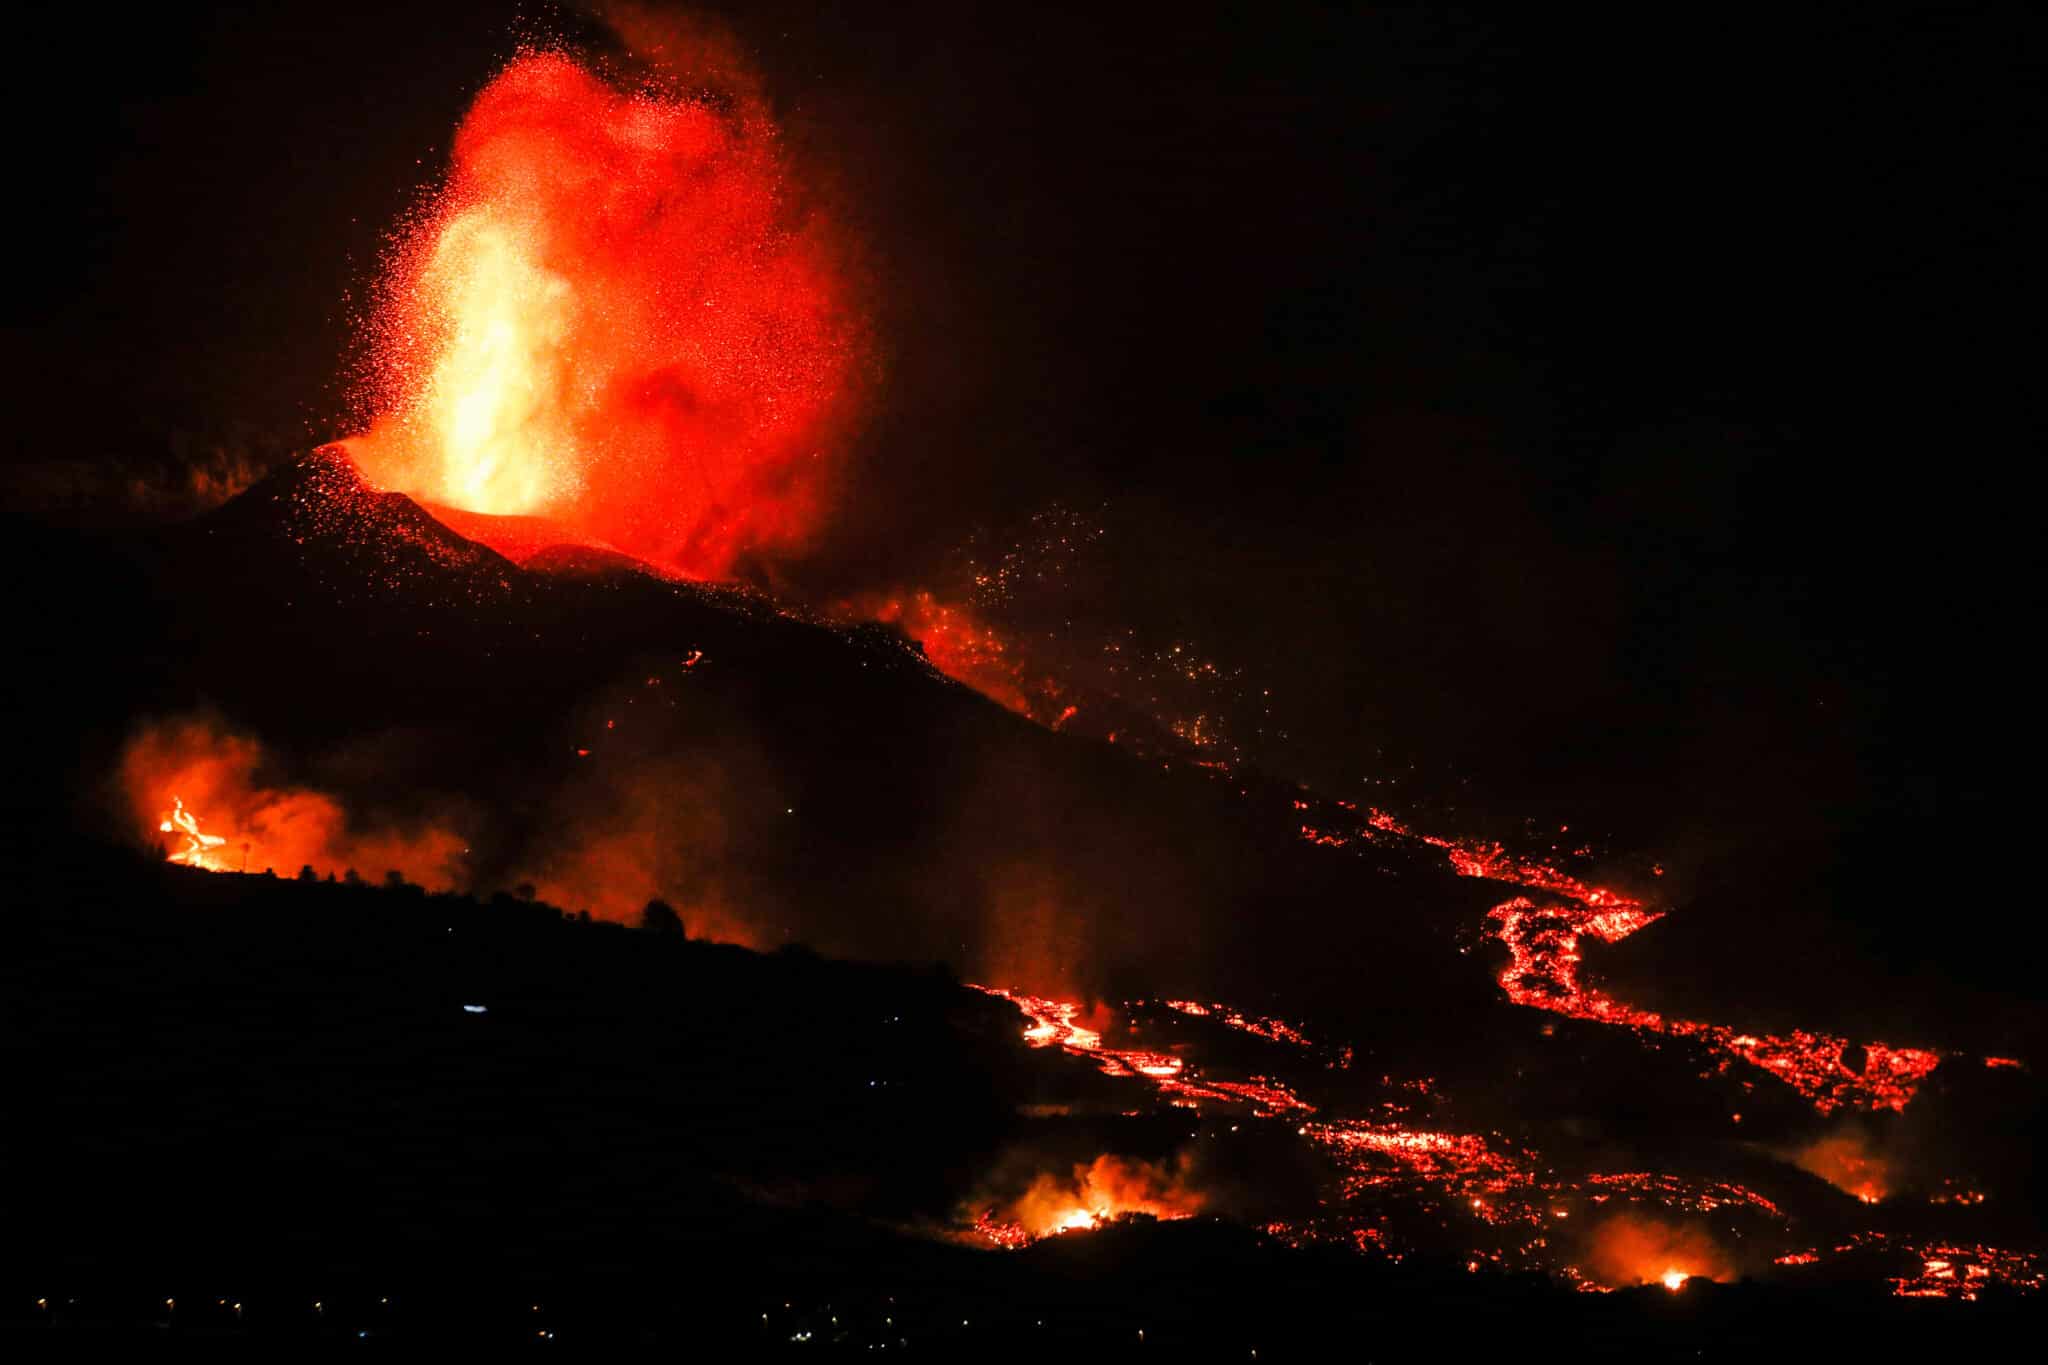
<point>194,848</point>
<point>1628,1249</point>
<point>1086,1196</point>
<point>1851,1162</point>
<point>213,797</point>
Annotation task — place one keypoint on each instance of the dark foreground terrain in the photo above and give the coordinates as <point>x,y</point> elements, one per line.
<point>258,1106</point>
<point>250,1107</point>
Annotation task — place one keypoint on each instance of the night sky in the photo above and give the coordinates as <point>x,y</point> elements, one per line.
<point>1625,422</point>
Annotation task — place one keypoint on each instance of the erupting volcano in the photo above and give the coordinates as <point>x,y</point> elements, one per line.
<point>619,316</point>
<point>576,866</point>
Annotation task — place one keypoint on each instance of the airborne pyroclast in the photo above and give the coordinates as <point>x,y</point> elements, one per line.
<point>617,315</point>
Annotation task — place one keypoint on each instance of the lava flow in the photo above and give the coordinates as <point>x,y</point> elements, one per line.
<point>1543,972</point>
<point>1052,1025</point>
<point>1392,1177</point>
<point>1402,1187</point>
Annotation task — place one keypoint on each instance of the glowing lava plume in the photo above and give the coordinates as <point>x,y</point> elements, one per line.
<point>614,316</point>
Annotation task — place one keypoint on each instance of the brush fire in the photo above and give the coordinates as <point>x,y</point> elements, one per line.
<point>1087,1196</point>
<point>197,776</point>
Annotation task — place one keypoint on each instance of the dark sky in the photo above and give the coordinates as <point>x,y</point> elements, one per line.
<point>1630,419</point>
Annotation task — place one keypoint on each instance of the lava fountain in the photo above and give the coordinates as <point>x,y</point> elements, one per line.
<point>615,316</point>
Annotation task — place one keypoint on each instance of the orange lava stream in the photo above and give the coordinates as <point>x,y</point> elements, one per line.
<point>1543,972</point>
<point>1052,1025</point>
<point>1273,1030</point>
<point>1479,1178</point>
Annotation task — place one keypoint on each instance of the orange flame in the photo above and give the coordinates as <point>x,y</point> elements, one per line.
<point>280,827</point>
<point>197,848</point>
<point>1629,1250</point>
<point>1107,1188</point>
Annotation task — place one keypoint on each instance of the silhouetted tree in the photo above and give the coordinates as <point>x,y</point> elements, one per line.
<point>307,874</point>
<point>350,878</point>
<point>661,918</point>
<point>394,880</point>
<point>524,891</point>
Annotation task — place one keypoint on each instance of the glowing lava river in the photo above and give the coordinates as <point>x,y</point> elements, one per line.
<point>1400,1177</point>
<point>1404,1180</point>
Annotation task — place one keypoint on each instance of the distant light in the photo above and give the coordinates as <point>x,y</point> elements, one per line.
<point>475,1009</point>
